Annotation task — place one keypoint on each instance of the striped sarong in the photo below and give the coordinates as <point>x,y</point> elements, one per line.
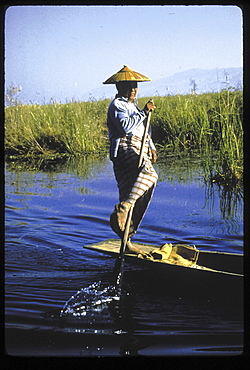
<point>136,185</point>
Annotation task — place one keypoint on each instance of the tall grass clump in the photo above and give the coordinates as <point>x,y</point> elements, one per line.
<point>208,124</point>
<point>76,127</point>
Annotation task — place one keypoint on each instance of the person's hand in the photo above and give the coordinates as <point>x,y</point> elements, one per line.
<point>154,156</point>
<point>150,106</point>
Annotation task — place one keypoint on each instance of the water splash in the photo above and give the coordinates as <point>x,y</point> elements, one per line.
<point>93,299</point>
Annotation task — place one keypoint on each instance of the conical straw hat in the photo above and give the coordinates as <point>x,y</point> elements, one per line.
<point>126,74</point>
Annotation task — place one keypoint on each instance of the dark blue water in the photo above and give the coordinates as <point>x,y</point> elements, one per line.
<point>53,209</point>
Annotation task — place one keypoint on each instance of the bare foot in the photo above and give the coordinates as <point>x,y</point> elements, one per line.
<point>131,249</point>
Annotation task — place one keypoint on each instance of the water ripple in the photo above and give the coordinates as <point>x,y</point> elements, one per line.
<point>48,219</point>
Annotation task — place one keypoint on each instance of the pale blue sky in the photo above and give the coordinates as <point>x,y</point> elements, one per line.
<point>61,52</point>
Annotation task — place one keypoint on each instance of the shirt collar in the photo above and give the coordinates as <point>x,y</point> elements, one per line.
<point>121,97</point>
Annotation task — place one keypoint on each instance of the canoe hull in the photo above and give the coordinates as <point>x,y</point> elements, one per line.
<point>223,272</point>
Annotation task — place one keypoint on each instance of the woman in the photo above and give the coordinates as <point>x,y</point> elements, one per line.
<point>126,124</point>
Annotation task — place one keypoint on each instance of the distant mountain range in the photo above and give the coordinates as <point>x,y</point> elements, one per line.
<point>186,82</point>
<point>193,80</point>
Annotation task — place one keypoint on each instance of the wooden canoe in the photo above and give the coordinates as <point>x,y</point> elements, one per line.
<point>207,268</point>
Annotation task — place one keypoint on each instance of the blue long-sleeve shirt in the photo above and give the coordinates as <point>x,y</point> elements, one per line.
<point>124,118</point>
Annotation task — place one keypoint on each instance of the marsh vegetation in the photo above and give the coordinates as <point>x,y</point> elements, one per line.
<point>208,125</point>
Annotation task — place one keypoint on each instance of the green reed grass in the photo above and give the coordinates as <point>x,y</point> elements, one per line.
<point>73,128</point>
<point>208,124</point>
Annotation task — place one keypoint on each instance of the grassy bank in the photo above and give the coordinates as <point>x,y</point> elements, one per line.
<point>73,128</point>
<point>207,124</point>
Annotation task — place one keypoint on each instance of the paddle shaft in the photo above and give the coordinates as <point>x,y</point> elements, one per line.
<point>144,139</point>
<point>119,266</point>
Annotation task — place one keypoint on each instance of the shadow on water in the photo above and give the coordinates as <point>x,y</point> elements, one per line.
<point>53,208</point>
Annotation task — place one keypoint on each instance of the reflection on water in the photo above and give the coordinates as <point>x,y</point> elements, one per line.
<point>231,200</point>
<point>53,209</point>
<point>170,169</point>
<point>81,166</point>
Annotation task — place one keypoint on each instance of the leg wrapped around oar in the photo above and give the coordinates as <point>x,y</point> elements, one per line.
<point>118,221</point>
<point>119,217</point>
<point>136,185</point>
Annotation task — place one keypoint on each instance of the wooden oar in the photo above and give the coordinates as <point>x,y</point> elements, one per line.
<point>119,265</point>
<point>144,139</point>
